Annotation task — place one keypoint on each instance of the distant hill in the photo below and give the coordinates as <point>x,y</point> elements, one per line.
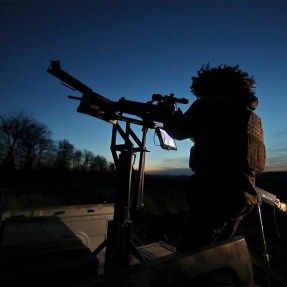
<point>172,171</point>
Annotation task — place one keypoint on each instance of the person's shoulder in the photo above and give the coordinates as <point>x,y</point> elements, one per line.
<point>254,117</point>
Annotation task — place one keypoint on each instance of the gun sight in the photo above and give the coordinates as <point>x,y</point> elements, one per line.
<point>170,99</point>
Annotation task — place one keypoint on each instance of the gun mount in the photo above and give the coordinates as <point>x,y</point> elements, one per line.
<point>98,106</point>
<point>129,194</point>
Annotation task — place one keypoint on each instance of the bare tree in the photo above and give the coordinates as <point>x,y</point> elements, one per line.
<point>88,159</point>
<point>111,166</point>
<point>22,140</point>
<point>37,139</point>
<point>26,143</point>
<point>99,163</point>
<point>64,154</point>
<point>77,159</point>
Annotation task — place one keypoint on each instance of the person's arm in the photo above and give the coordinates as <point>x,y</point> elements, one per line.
<point>182,126</point>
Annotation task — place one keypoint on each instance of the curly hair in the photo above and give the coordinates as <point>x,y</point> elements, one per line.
<point>223,80</point>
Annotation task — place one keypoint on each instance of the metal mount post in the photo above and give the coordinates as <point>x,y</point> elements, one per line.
<point>266,256</point>
<point>129,195</point>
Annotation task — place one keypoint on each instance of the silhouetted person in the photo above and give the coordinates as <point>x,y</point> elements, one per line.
<point>227,153</point>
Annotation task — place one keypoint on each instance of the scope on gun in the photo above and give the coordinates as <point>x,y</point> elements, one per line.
<point>169,99</point>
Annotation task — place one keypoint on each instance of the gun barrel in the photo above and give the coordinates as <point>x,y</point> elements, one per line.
<point>55,70</point>
<point>91,103</point>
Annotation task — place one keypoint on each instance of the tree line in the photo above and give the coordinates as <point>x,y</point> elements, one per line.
<point>26,143</point>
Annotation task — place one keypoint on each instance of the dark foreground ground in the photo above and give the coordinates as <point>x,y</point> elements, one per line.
<point>164,211</point>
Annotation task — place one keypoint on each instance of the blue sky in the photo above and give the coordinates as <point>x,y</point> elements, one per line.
<point>134,49</point>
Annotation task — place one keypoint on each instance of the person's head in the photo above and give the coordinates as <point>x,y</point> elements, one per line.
<point>225,81</point>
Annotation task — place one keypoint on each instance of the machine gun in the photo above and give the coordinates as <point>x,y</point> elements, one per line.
<point>129,194</point>
<point>98,106</point>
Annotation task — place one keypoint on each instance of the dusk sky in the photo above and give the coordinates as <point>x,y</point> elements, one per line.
<point>134,49</point>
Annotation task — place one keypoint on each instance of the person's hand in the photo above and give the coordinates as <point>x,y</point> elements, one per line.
<point>281,205</point>
<point>277,202</point>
